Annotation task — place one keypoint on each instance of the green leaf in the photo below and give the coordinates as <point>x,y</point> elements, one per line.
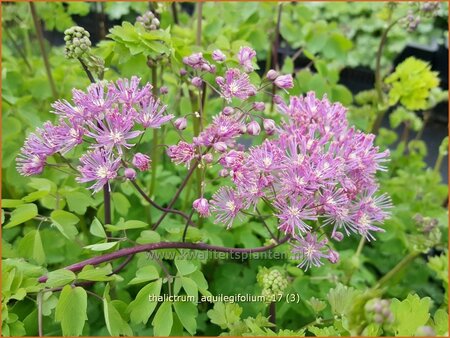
<point>60,277</point>
<point>187,312</point>
<point>410,314</point>
<point>78,202</point>
<point>120,203</point>
<point>101,246</point>
<point>142,308</point>
<point>8,203</point>
<point>163,321</point>
<point>225,314</point>
<point>65,223</point>
<point>148,236</point>
<point>189,286</point>
<point>22,214</point>
<point>96,228</point>
<point>71,310</point>
<point>38,248</point>
<point>184,266</point>
<point>98,274</point>
<point>115,324</point>
<point>441,322</point>
<point>341,299</point>
<point>127,225</point>
<point>145,274</point>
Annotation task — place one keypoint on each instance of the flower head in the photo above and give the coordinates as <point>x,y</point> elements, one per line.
<point>310,250</point>
<point>99,166</point>
<point>182,153</point>
<point>151,113</point>
<point>114,131</point>
<point>235,84</point>
<point>226,204</point>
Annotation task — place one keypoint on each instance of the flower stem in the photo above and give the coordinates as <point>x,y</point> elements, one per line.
<point>378,79</point>
<point>149,200</point>
<point>438,163</point>
<point>40,37</point>
<point>39,308</point>
<point>273,313</point>
<point>159,246</point>
<point>154,155</point>
<point>177,194</point>
<point>396,269</point>
<point>198,40</point>
<point>107,203</point>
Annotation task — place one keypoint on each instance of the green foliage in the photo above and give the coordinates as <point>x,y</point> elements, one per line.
<point>411,83</point>
<point>410,314</point>
<point>71,310</point>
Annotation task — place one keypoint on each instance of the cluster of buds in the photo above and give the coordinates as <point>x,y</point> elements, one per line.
<point>281,81</point>
<point>430,8</point>
<point>427,224</point>
<point>429,233</point>
<point>77,42</point>
<point>273,283</point>
<point>411,21</point>
<point>149,21</point>
<point>379,311</point>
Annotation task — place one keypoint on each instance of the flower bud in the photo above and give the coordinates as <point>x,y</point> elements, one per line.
<point>77,42</point>
<point>277,99</point>
<point>272,74</point>
<point>180,123</point>
<point>220,80</point>
<point>130,173</point>
<point>223,173</point>
<point>220,147</point>
<point>197,82</point>
<point>218,56</point>
<point>163,90</point>
<point>149,21</point>
<point>201,205</point>
<point>208,158</point>
<point>141,161</point>
<point>183,72</point>
<point>253,128</point>
<point>243,129</point>
<point>337,236</point>
<point>259,106</point>
<point>333,256</point>
<point>284,81</point>
<point>269,126</point>
<point>227,111</point>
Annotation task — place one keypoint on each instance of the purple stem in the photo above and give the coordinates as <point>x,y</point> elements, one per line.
<point>157,206</point>
<point>162,245</point>
<point>177,194</point>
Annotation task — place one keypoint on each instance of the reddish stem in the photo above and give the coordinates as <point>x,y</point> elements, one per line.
<point>163,245</point>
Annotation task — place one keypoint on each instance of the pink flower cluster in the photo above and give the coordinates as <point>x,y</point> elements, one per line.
<point>110,117</point>
<point>317,172</point>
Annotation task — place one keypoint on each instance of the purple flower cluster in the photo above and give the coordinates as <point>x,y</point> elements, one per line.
<point>109,116</point>
<point>317,172</point>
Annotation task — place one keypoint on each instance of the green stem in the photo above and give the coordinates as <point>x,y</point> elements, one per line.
<point>396,269</point>
<point>198,40</point>
<point>360,246</point>
<point>438,164</point>
<point>378,78</point>
<point>40,37</point>
<point>154,152</point>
